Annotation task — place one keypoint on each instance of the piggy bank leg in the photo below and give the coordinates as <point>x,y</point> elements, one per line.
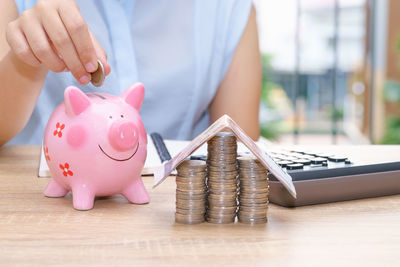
<point>82,197</point>
<point>136,192</point>
<point>54,189</point>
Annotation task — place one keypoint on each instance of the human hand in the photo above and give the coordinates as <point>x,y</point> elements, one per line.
<point>54,35</point>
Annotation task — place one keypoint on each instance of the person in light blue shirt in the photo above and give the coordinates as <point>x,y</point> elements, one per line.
<point>198,60</point>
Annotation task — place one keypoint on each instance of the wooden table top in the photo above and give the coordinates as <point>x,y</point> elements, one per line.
<point>35,230</point>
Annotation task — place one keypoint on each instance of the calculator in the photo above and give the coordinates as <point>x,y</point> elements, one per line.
<point>321,177</point>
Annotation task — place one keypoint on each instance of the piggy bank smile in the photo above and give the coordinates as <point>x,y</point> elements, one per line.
<point>125,159</point>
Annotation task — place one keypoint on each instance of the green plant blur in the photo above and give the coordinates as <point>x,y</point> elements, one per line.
<point>268,129</point>
<point>392,96</point>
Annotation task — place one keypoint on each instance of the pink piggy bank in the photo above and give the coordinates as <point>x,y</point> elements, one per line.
<point>96,145</point>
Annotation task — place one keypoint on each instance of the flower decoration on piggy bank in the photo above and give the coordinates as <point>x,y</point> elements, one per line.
<point>96,145</point>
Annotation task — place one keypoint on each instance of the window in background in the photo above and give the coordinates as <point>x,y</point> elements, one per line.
<point>320,59</point>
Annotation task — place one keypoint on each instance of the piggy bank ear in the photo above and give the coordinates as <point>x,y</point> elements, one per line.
<point>134,95</point>
<point>75,101</point>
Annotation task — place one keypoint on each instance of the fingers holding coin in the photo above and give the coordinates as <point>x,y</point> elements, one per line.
<point>54,34</point>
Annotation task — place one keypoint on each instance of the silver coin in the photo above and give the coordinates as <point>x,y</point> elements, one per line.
<point>98,76</point>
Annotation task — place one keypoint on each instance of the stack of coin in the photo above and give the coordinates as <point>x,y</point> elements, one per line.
<point>191,192</point>
<point>253,194</point>
<point>222,180</point>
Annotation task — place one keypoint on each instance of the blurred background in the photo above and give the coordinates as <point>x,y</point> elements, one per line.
<point>331,71</point>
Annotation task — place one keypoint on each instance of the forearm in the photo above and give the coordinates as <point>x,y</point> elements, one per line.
<point>243,108</point>
<point>19,90</point>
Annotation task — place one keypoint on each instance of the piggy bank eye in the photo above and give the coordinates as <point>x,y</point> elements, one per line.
<point>110,117</point>
<point>122,116</point>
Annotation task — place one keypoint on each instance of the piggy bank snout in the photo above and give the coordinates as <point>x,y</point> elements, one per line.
<point>123,135</point>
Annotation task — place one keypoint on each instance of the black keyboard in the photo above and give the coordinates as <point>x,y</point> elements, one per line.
<point>307,164</point>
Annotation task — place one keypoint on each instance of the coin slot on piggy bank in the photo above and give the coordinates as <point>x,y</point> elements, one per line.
<point>96,145</point>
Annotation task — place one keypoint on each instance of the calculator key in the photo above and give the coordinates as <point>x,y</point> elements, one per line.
<point>198,157</point>
<point>325,164</point>
<point>303,161</point>
<point>337,159</point>
<point>305,157</point>
<point>348,162</point>
<point>296,155</point>
<point>312,153</point>
<point>294,166</point>
<point>318,160</point>
<point>325,155</point>
<point>289,158</point>
<point>283,158</point>
<point>284,163</point>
